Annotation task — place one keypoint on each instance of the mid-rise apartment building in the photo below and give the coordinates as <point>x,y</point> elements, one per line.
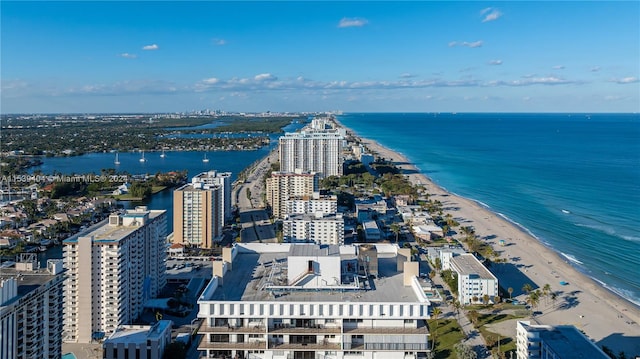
<point>282,186</point>
<point>318,228</point>
<point>198,214</point>
<point>315,151</point>
<point>31,309</point>
<point>314,204</point>
<point>534,341</point>
<point>299,301</point>
<point>222,179</point>
<point>112,270</point>
<point>474,279</point>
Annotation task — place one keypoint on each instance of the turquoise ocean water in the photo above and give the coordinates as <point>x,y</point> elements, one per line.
<point>571,180</point>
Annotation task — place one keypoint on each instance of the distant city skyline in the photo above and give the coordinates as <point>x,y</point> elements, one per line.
<point>142,57</point>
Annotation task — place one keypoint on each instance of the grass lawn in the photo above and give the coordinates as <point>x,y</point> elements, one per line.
<point>448,333</point>
<point>506,343</point>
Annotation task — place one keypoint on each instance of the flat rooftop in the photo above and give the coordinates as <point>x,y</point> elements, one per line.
<point>27,281</point>
<point>469,264</point>
<point>105,232</point>
<point>568,341</point>
<point>252,271</point>
<point>139,333</point>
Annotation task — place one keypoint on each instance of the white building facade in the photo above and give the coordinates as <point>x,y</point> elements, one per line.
<point>474,280</point>
<point>318,228</point>
<point>325,205</point>
<point>112,271</point>
<point>315,151</point>
<point>316,308</point>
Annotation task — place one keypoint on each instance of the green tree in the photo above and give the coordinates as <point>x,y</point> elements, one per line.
<point>527,288</point>
<point>395,228</point>
<point>473,316</point>
<point>510,290</point>
<point>464,351</point>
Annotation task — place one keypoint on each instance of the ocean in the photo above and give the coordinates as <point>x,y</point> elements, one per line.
<point>571,180</point>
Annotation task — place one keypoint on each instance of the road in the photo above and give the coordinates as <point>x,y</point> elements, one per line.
<point>249,198</point>
<point>473,337</point>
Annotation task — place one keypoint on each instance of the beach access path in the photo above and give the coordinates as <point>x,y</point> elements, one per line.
<point>605,317</point>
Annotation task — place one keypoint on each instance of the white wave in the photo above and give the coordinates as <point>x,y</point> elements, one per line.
<point>571,258</point>
<point>566,211</point>
<point>631,238</point>
<point>520,226</point>
<point>609,231</point>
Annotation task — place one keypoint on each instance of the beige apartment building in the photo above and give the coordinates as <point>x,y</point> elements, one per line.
<point>113,268</point>
<point>282,186</point>
<point>198,214</point>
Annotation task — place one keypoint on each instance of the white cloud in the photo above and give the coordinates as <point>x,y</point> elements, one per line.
<point>495,62</point>
<point>150,47</point>
<point>211,81</point>
<point>352,22</point>
<point>627,80</point>
<point>549,80</point>
<point>219,42</point>
<point>265,77</point>
<point>466,43</point>
<point>127,55</point>
<point>407,75</point>
<point>558,67</point>
<point>491,14</point>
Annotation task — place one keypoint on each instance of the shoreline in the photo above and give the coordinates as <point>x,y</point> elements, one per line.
<point>605,316</point>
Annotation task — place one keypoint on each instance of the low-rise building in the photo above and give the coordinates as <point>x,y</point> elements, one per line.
<point>535,341</point>
<point>311,204</point>
<point>474,280</point>
<point>138,341</point>
<point>318,228</point>
<point>371,231</point>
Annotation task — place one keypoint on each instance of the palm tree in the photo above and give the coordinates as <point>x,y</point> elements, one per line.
<point>527,288</point>
<point>510,290</point>
<point>485,299</point>
<point>395,228</point>
<point>546,290</point>
<point>435,313</point>
<point>457,306</point>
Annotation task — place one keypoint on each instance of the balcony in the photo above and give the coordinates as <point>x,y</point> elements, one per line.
<point>205,328</point>
<point>230,345</point>
<point>322,345</point>
<point>387,330</point>
<point>315,328</point>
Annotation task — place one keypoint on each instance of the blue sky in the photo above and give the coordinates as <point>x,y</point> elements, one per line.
<point>320,56</point>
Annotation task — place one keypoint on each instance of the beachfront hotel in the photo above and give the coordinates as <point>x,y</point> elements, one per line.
<point>283,186</point>
<point>320,228</point>
<point>31,309</point>
<point>474,279</point>
<point>198,214</point>
<point>112,270</point>
<point>303,301</point>
<point>554,342</point>
<point>316,151</point>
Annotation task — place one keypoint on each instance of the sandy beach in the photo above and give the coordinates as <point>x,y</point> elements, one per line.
<point>605,317</point>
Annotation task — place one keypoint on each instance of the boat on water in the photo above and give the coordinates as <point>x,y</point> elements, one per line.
<point>205,159</point>
<point>162,155</point>
<point>142,159</point>
<point>117,161</point>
